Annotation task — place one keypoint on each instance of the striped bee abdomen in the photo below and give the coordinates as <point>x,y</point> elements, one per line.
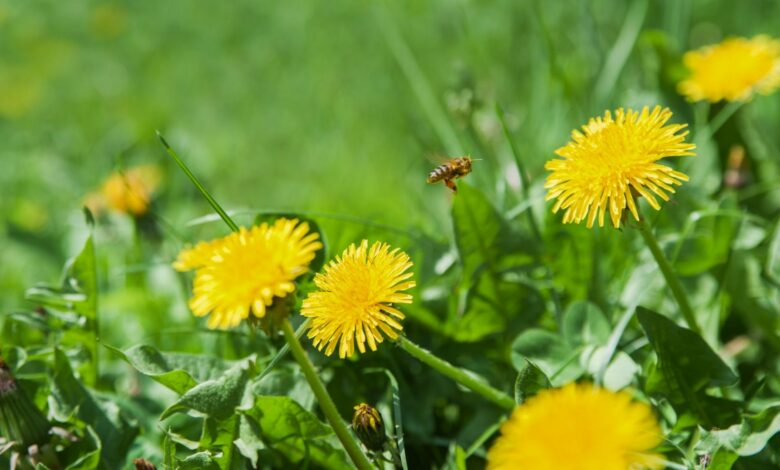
<point>438,173</point>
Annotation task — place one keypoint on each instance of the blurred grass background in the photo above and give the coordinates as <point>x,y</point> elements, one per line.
<point>323,106</point>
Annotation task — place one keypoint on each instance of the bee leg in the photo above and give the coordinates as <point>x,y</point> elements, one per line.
<point>450,184</point>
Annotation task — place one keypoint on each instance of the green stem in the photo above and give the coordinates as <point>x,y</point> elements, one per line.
<point>723,115</point>
<point>326,403</point>
<point>461,376</point>
<point>671,277</point>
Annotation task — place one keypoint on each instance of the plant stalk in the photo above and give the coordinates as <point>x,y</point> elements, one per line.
<point>670,276</point>
<point>323,398</point>
<point>459,375</point>
<point>320,392</point>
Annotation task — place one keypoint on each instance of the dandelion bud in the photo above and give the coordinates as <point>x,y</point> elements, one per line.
<point>143,464</point>
<point>20,420</point>
<point>368,425</point>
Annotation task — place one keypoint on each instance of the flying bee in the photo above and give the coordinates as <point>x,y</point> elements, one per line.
<point>453,168</point>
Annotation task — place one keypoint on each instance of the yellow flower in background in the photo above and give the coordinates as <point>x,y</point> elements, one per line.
<point>130,191</point>
<point>355,297</point>
<point>578,427</point>
<point>733,70</point>
<point>247,270</point>
<point>613,160</point>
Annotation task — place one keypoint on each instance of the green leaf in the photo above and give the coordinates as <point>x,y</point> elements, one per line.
<point>69,398</point>
<point>686,366</point>
<point>530,381</point>
<point>549,352</point>
<point>747,438</point>
<point>78,289</point>
<point>89,460</point>
<point>722,460</point>
<point>217,398</point>
<point>772,265</point>
<point>585,324</point>
<point>177,371</point>
<point>218,438</point>
<point>198,461</point>
<point>281,424</point>
<point>477,226</point>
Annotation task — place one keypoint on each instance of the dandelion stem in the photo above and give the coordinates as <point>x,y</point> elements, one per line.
<point>671,277</point>
<point>723,115</point>
<point>465,378</point>
<point>323,398</point>
<point>320,392</point>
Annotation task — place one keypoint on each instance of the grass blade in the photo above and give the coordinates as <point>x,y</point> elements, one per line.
<point>203,191</point>
<point>420,86</point>
<point>618,54</point>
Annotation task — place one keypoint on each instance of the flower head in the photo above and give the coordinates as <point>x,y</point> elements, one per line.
<point>369,427</point>
<point>733,70</point>
<point>613,160</point>
<point>577,427</point>
<point>247,270</point>
<point>130,191</point>
<point>355,297</point>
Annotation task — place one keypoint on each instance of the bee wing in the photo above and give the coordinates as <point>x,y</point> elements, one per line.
<point>437,159</point>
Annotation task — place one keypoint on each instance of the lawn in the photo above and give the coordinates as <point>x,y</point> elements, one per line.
<point>491,326</point>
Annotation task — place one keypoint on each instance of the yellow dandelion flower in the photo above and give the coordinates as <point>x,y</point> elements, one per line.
<point>355,297</point>
<point>733,70</point>
<point>131,191</point>
<point>613,160</point>
<point>578,427</point>
<point>247,270</point>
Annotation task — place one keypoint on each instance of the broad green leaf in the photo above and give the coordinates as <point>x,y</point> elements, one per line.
<point>217,398</point>
<point>198,461</point>
<point>286,381</point>
<point>78,289</point>
<point>477,226</point>
<point>177,371</point>
<point>706,240</point>
<point>722,460</point>
<point>218,438</point>
<point>281,424</point>
<point>69,398</point>
<point>686,366</point>
<point>549,352</point>
<point>747,438</point>
<point>750,297</point>
<point>530,381</point>
<point>585,324</point>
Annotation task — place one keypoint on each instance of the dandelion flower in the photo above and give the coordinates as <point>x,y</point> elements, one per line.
<point>131,191</point>
<point>733,70</point>
<point>613,160</point>
<point>247,270</point>
<point>578,427</point>
<point>355,297</point>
